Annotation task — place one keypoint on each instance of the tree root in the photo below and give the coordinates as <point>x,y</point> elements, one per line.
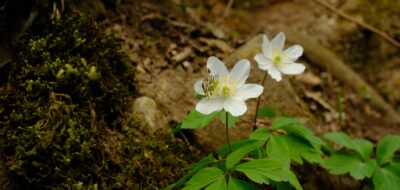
<point>322,56</point>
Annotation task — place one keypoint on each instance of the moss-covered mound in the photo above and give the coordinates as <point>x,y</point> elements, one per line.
<point>69,81</point>
<point>62,115</point>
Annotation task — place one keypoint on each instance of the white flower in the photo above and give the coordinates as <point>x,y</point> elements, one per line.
<point>276,60</point>
<point>226,90</point>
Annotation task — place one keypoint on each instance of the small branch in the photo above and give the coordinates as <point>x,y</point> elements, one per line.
<point>226,12</point>
<point>259,121</point>
<point>378,32</point>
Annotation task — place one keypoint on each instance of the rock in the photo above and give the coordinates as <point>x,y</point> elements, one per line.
<point>146,113</point>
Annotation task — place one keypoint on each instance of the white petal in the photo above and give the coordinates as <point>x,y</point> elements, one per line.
<point>263,62</point>
<point>207,106</point>
<point>266,47</point>
<point>293,53</point>
<point>240,72</point>
<point>216,67</point>
<point>278,42</point>
<point>249,91</point>
<point>235,106</point>
<point>292,68</point>
<point>198,87</point>
<point>275,73</point>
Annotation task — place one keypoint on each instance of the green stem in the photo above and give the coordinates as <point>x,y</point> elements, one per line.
<point>258,104</point>
<point>227,131</point>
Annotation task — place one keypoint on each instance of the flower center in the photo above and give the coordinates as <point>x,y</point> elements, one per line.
<point>226,90</point>
<point>215,86</point>
<point>277,59</point>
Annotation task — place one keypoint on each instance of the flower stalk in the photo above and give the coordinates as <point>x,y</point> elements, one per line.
<point>258,104</point>
<point>227,132</point>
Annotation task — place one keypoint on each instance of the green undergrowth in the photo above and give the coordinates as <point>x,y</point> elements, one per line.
<point>62,115</point>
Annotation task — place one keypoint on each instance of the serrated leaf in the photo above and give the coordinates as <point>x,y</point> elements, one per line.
<point>205,161</point>
<point>283,121</point>
<point>342,163</point>
<point>300,149</point>
<point>386,148</point>
<point>361,146</point>
<point>261,134</point>
<point>340,138</point>
<point>266,112</point>
<point>258,153</point>
<point>294,181</point>
<point>364,148</point>
<point>237,155</point>
<point>237,184</point>
<point>219,184</point>
<point>196,167</point>
<point>231,119</point>
<point>204,178</point>
<point>263,170</point>
<point>387,178</point>
<point>197,120</point>
<point>235,146</point>
<point>277,149</point>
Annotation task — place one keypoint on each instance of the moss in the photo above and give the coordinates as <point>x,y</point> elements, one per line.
<point>63,116</point>
<point>68,82</point>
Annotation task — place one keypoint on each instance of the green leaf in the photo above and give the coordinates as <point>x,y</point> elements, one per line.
<point>386,148</point>
<point>284,121</point>
<point>219,184</point>
<point>294,181</point>
<point>266,112</point>
<point>231,119</point>
<point>304,133</point>
<point>364,148</point>
<point>261,134</point>
<point>300,149</point>
<point>235,146</point>
<point>263,170</point>
<point>205,161</point>
<point>203,178</point>
<point>237,155</point>
<point>197,120</point>
<point>237,184</point>
<point>340,138</point>
<point>387,178</point>
<point>258,153</point>
<point>342,163</point>
<point>293,126</point>
<point>361,146</point>
<point>196,167</point>
<point>277,149</point>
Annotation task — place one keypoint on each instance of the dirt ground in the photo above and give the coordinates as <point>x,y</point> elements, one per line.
<point>170,47</point>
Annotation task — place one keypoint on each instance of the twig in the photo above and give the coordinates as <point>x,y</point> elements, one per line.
<point>380,33</point>
<point>259,121</point>
<point>226,12</point>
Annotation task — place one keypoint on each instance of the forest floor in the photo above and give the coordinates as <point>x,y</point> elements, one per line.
<point>170,46</point>
<point>170,42</point>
